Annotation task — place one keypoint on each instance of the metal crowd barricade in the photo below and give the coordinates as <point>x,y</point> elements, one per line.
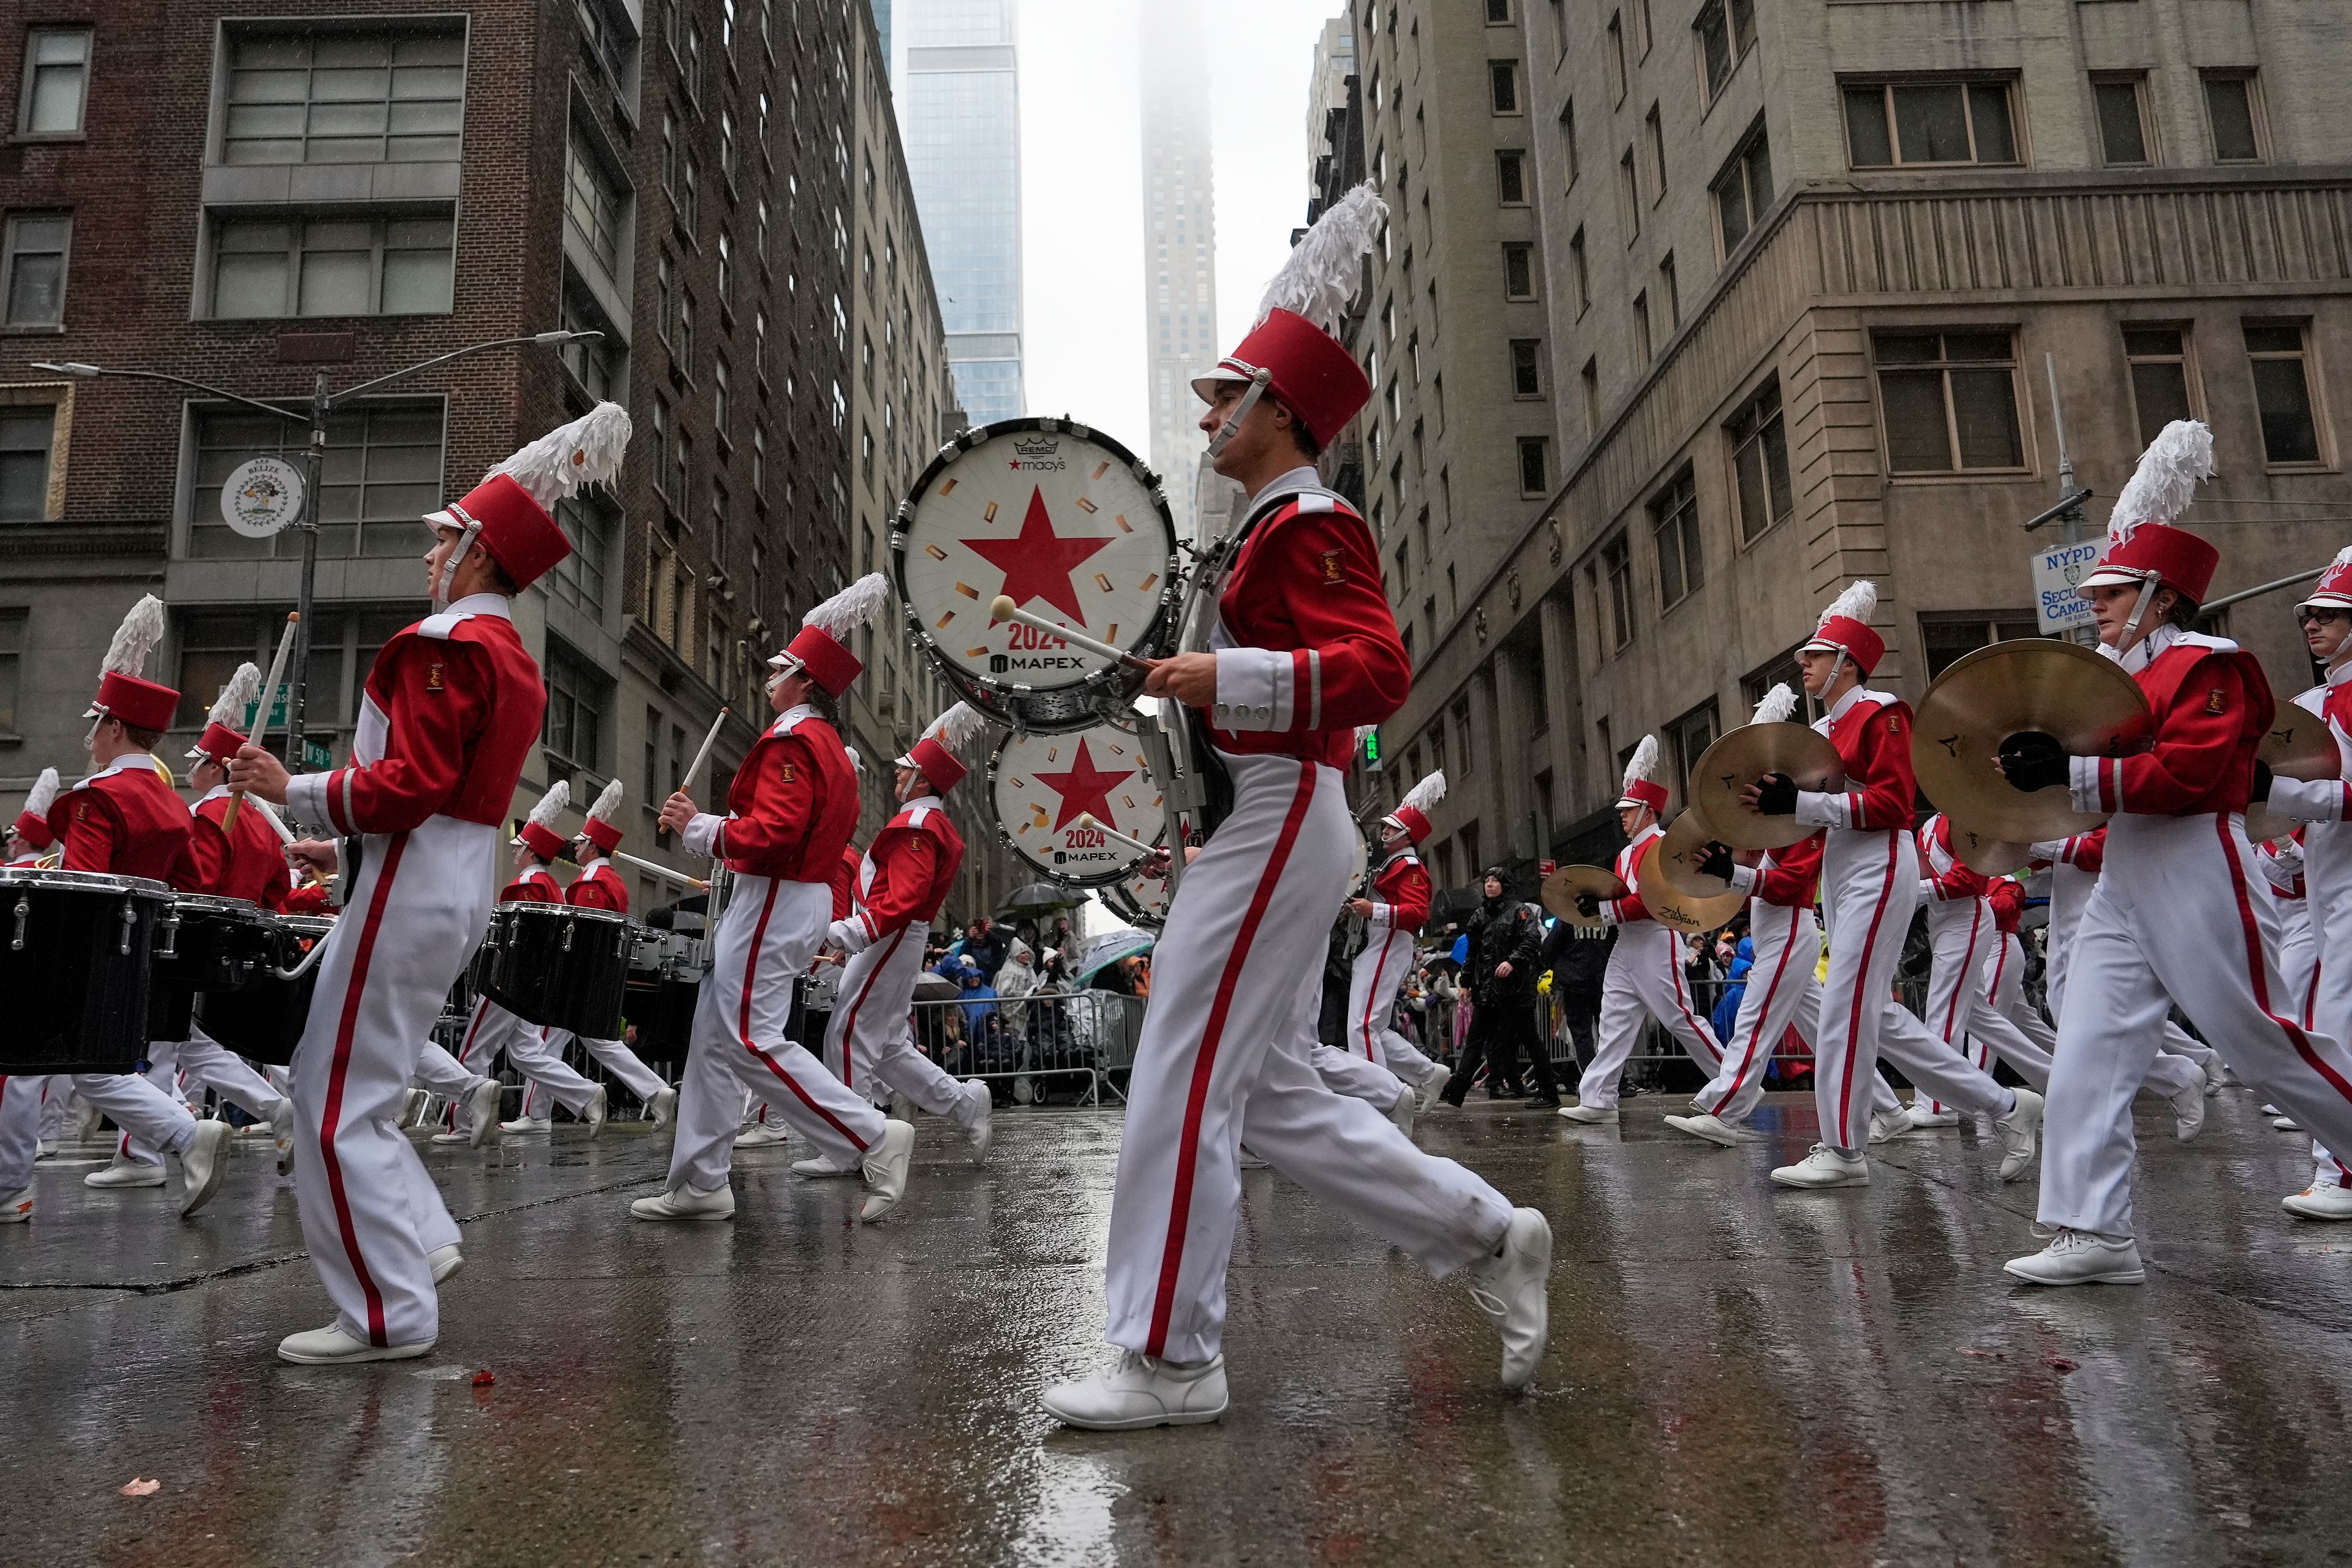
<point>1050,1040</point>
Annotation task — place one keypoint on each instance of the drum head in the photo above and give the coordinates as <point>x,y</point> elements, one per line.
<point>1042,783</point>
<point>1139,900</point>
<point>1069,525</point>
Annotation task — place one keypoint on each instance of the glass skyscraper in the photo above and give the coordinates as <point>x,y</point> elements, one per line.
<point>960,115</point>
<point>1179,247</point>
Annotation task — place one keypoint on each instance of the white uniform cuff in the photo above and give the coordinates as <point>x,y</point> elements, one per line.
<point>1744,879</point>
<point>702,833</point>
<point>1254,689</point>
<point>2083,784</point>
<point>306,797</point>
<point>2308,800</point>
<point>1822,808</point>
<point>1383,915</point>
<point>849,935</point>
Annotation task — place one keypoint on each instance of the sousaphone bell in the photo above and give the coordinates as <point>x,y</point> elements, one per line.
<point>2063,689</point>
<point>1741,758</point>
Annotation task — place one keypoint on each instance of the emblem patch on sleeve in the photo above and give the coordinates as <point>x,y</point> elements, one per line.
<point>433,677</point>
<point>1332,571</point>
<point>2213,700</point>
<point>785,771</point>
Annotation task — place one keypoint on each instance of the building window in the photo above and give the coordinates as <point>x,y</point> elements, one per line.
<point>1574,165</point>
<point>1629,197</point>
<point>322,96</point>
<point>1657,127</point>
<point>1510,178</point>
<point>1535,465</point>
<point>1526,367</point>
<point>344,645</point>
<point>1518,272</point>
<point>592,522</point>
<point>1760,461</point>
<point>1617,58</point>
<point>1674,526</point>
<point>2282,390</point>
<point>726,145</point>
<point>722,409</point>
<point>382,472</point>
<point>1670,290</point>
<point>1503,86</point>
<point>1588,388</point>
<point>1725,36</point>
<point>2235,113</point>
<point>12,654</point>
<point>1780,672</point>
<point>1641,347</point>
<point>55,87</point>
<point>1580,267</point>
<point>2164,387</point>
<point>33,293</point>
<point>1946,639</point>
<point>1499,12</point>
<point>1743,190</point>
<point>1951,401</point>
<point>28,437</point>
<point>1910,123</point>
<point>275,267</point>
<point>593,201</point>
<point>2123,135</point>
<point>1617,574</point>
<point>576,692</point>
<point>1688,738</point>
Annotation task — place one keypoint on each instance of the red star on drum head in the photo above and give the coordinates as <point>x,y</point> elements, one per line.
<point>1083,788</point>
<point>1037,562</point>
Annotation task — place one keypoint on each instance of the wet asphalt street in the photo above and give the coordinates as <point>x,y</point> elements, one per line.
<point>1737,1374</point>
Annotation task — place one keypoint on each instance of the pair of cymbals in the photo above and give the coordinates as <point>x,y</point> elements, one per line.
<point>1746,754</point>
<point>1561,889</point>
<point>2083,700</point>
<point>1673,888</point>
<point>2300,745</point>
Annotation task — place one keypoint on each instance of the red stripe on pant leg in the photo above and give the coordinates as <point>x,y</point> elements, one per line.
<point>2310,992</point>
<point>1861,990</point>
<point>354,991</point>
<point>2295,1035</point>
<point>849,1025</point>
<point>1373,997</point>
<point>1682,1002</point>
<point>744,1023</point>
<point>1967,968</point>
<point>1204,1061</point>
<point>1748,1055</point>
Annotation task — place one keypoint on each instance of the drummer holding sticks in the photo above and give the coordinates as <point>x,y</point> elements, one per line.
<point>599,887</point>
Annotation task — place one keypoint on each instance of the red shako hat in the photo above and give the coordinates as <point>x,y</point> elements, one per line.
<point>2143,547</point>
<point>1413,813</point>
<point>2334,590</point>
<point>1845,628</point>
<point>512,509</point>
<point>599,829</point>
<point>538,835</point>
<point>1642,785</point>
<point>221,738</point>
<point>934,756</point>
<point>124,691</point>
<point>822,645</point>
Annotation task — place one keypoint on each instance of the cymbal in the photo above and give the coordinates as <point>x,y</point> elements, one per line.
<point>1746,754</point>
<point>2300,745</point>
<point>1678,859</point>
<point>1987,857</point>
<point>2061,689</point>
<point>1560,888</point>
<point>1670,906</point>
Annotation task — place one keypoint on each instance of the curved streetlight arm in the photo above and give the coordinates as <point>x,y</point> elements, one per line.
<point>92,372</point>
<point>550,340</point>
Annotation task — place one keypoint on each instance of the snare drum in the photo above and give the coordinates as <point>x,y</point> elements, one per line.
<point>264,1016</point>
<point>812,1012</point>
<point>664,983</point>
<point>1041,785</point>
<point>207,944</point>
<point>1071,526</point>
<point>559,965</point>
<point>77,957</point>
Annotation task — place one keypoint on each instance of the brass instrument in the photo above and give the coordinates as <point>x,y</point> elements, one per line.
<point>2082,698</point>
<point>1561,888</point>
<point>1746,754</point>
<point>1669,906</point>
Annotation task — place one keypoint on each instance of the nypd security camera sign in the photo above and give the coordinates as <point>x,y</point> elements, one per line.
<point>262,497</point>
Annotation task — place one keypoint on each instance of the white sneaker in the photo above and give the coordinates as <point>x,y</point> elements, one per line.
<point>662,1109</point>
<point>444,1261</point>
<point>1702,1124</point>
<point>760,1135</point>
<point>1919,1115</point>
<point>1591,1115</point>
<point>1433,1090</point>
<point>2215,1074</point>
<point>1022,1093</point>
<point>17,1208</point>
<point>2320,1201</point>
<point>685,1200</point>
<point>596,1112</point>
<point>203,1163</point>
<point>281,1134</point>
<point>2286,1125</point>
<point>818,1165</point>
<point>2081,1257</point>
<point>528,1124</point>
<point>1140,1391</point>
<point>886,1171</point>
<point>330,1346</point>
<point>982,1129</point>
<point>452,1135</point>
<point>1824,1167</point>
<point>1512,1289</point>
<point>1887,1125</point>
<point>45,1149</point>
<point>125,1171</point>
<point>2188,1112</point>
<point>1400,1114</point>
<point>2019,1133</point>
<point>481,1111</point>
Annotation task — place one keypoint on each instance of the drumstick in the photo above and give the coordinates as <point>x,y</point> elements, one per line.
<point>261,714</point>
<point>661,870</point>
<point>1005,609</point>
<point>687,784</point>
<point>1089,819</point>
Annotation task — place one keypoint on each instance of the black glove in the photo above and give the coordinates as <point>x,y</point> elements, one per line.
<point>1587,905</point>
<point>1715,861</point>
<point>1776,795</point>
<point>2264,779</point>
<point>2032,759</point>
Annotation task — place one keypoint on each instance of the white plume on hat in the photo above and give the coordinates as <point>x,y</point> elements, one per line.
<point>1777,706</point>
<point>1856,604</point>
<point>244,689</point>
<point>857,763</point>
<point>1425,794</point>
<point>1325,267</point>
<point>2343,557</point>
<point>550,805</point>
<point>587,451</point>
<point>2161,487</point>
<point>1644,766</point>
<point>607,801</point>
<point>140,634</point>
<point>1364,730</point>
<point>44,792</point>
<point>957,726</point>
<point>851,608</point>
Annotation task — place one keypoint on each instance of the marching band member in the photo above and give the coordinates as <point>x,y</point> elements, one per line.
<point>599,887</point>
<point>2176,844</point>
<point>1870,885</point>
<point>1968,944</point>
<point>763,1128</point>
<point>124,820</point>
<point>1645,968</point>
<point>452,707</point>
<point>902,882</point>
<point>792,806</point>
<point>1378,1065</point>
<point>1305,649</point>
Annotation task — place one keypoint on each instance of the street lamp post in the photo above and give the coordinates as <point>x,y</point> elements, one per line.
<point>324,403</point>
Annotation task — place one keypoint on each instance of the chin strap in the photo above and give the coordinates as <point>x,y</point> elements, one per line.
<point>2149,583</point>
<point>448,575</point>
<point>1259,380</point>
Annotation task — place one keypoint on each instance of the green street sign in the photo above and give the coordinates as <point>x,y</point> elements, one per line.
<point>277,713</point>
<point>316,757</point>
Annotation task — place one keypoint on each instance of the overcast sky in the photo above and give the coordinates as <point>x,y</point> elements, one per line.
<point>1082,214</point>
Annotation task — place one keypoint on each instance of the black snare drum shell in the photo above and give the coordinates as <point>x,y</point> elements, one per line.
<point>525,966</point>
<point>76,999</point>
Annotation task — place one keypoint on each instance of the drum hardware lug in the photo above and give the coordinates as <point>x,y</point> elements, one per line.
<point>567,936</point>
<point>24,914</point>
<point>167,931</point>
<point>130,923</point>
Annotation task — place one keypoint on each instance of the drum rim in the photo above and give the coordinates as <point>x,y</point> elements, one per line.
<point>82,881</point>
<point>957,448</point>
<point>583,912</point>
<point>995,766</point>
<point>305,922</point>
<point>215,903</point>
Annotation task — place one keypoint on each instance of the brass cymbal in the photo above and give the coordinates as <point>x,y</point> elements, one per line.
<point>1677,863</point>
<point>1746,754</point>
<point>1560,888</point>
<point>2300,745</point>
<point>2061,689</point>
<point>1670,906</point>
<point>1987,857</point>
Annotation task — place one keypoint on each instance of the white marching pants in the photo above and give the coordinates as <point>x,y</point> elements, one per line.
<point>412,914</point>
<point>2180,915</point>
<point>766,936</point>
<point>1781,995</point>
<point>1357,1071</point>
<point>1223,1060</point>
<point>1372,983</point>
<point>493,1029</point>
<point>144,1112</point>
<point>868,1040</point>
<point>1970,957</point>
<point>200,1062</point>
<point>1644,976</point>
<point>57,1103</point>
<point>626,1067</point>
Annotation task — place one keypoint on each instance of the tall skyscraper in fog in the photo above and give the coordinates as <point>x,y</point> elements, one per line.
<point>958,96</point>
<point>1180,244</point>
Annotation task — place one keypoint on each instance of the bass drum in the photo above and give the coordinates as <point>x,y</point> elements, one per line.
<point>1041,785</point>
<point>1068,524</point>
<point>1139,900</point>
<point>77,950</point>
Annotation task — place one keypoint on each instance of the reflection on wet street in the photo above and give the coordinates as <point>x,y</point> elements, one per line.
<point>1737,1374</point>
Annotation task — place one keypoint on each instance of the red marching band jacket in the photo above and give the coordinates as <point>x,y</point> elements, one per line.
<point>2212,706</point>
<point>1402,891</point>
<point>1788,878</point>
<point>792,804</point>
<point>1872,732</point>
<point>454,704</point>
<point>844,880</point>
<point>1309,647</point>
<point>246,862</point>
<point>1629,908</point>
<point>2007,896</point>
<point>908,871</point>
<point>532,885</point>
<point>124,820</point>
<point>1946,880</point>
<point>598,887</point>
